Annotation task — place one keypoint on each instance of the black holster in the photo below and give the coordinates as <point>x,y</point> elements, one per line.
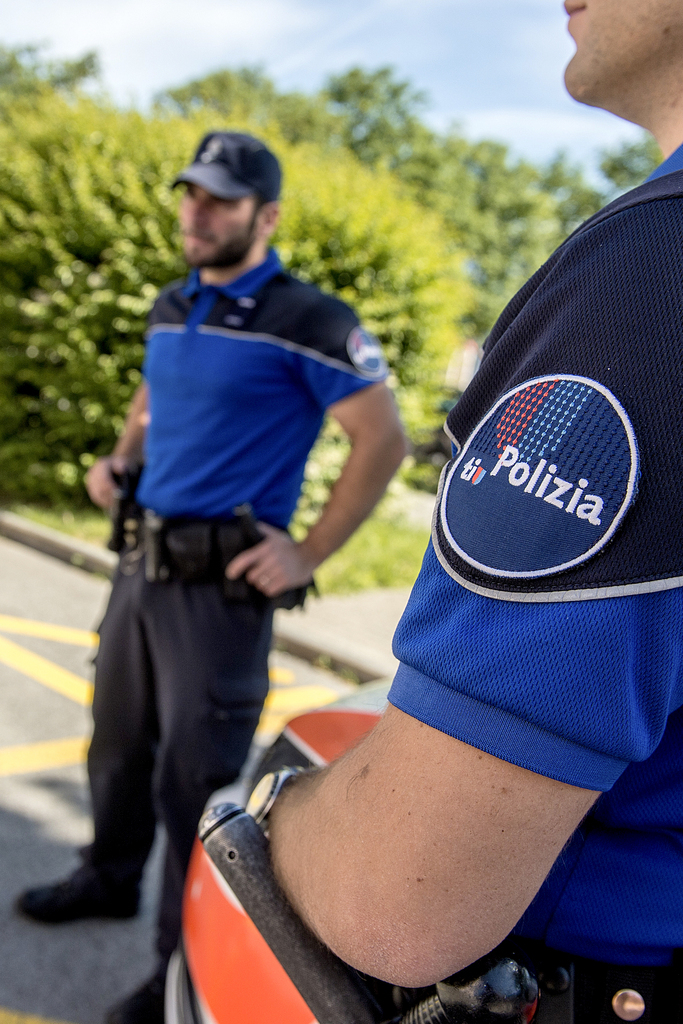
<point>198,551</point>
<point>125,511</point>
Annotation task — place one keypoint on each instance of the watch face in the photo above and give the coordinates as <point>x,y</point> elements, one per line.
<point>261,794</point>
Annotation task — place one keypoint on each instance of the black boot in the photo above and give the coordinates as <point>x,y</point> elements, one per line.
<point>83,894</point>
<point>144,1006</point>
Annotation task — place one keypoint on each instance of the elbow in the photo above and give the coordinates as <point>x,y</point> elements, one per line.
<point>410,948</point>
<point>397,447</point>
<point>409,958</point>
<point>404,448</point>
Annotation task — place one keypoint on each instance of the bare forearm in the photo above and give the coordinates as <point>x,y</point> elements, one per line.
<point>416,854</point>
<point>131,442</point>
<point>304,839</point>
<point>361,484</point>
<point>370,420</point>
<point>99,480</point>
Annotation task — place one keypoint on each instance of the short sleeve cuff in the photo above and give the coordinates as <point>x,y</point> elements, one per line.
<point>348,384</point>
<point>501,733</point>
<point>331,382</point>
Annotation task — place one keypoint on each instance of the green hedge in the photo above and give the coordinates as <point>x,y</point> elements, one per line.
<point>88,237</point>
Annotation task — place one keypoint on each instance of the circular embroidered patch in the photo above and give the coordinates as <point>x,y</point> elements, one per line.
<point>543,481</point>
<point>365,352</point>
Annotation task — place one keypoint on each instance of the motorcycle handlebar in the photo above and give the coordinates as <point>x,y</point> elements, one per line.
<point>331,989</point>
<point>501,988</point>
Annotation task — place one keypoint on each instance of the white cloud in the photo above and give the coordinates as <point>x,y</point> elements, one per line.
<point>490,64</point>
<point>147,45</point>
<point>335,33</point>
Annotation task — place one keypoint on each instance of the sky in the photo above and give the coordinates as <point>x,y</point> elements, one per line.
<point>494,67</point>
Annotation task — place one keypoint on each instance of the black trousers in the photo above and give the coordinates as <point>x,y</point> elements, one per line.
<point>181,676</point>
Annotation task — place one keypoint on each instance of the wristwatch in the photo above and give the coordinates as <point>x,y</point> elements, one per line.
<point>267,790</point>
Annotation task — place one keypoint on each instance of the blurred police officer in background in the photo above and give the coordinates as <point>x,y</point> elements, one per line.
<point>242,362</point>
<point>527,776</point>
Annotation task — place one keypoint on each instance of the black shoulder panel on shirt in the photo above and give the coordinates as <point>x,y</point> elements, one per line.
<point>293,312</point>
<point>303,314</point>
<point>288,311</point>
<point>568,484</point>
<point>171,306</point>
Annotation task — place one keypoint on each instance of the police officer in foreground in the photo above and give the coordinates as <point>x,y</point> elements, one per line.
<point>527,776</point>
<point>242,363</point>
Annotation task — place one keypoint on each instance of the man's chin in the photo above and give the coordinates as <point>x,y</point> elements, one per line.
<point>217,260</point>
<point>198,258</point>
<point>579,85</point>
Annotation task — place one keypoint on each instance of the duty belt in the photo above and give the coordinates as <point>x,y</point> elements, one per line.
<point>197,551</point>
<point>575,990</point>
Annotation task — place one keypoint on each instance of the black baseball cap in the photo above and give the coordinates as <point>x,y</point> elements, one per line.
<point>230,165</point>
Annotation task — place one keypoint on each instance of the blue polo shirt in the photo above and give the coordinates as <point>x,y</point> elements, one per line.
<point>668,166</point>
<point>240,377</point>
<point>546,624</point>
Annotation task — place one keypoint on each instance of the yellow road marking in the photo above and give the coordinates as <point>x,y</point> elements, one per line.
<point>281,705</point>
<point>281,676</point>
<point>299,697</point>
<point>80,690</point>
<point>12,1017</point>
<point>38,757</point>
<point>48,631</point>
<point>46,672</point>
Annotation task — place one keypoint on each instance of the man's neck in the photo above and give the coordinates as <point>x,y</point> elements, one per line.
<point>224,275</point>
<point>669,137</point>
<point>658,107</point>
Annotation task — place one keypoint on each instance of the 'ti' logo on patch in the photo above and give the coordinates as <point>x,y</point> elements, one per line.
<point>555,465</point>
<point>473,472</point>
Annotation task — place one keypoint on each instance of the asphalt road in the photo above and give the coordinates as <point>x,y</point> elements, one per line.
<point>72,972</point>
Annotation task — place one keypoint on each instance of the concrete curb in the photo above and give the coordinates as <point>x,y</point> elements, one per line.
<point>291,633</point>
<point>59,545</point>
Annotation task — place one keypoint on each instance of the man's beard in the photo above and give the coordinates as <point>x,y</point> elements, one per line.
<point>230,253</point>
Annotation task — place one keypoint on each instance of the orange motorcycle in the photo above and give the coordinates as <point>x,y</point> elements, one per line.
<point>246,958</point>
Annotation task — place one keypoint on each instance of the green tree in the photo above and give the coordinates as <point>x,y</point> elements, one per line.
<point>23,72</point>
<point>246,94</point>
<point>86,240</point>
<point>427,234</point>
<point>379,115</point>
<point>628,165</point>
<point>505,215</point>
<point>498,213</point>
<point>575,198</point>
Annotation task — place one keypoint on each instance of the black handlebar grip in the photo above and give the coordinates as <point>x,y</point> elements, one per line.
<point>501,988</point>
<point>332,990</point>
